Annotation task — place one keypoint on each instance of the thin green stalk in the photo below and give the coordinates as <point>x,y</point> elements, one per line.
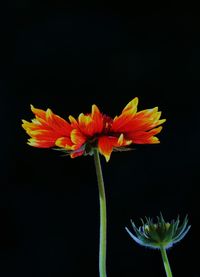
<point>102,200</point>
<point>166,262</point>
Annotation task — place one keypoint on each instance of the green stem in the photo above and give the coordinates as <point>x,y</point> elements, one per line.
<point>166,262</point>
<point>102,199</point>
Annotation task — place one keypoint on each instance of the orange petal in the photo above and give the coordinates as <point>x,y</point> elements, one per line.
<point>105,146</point>
<point>48,118</point>
<point>97,119</point>
<point>122,141</point>
<point>86,124</point>
<point>84,120</point>
<point>38,112</point>
<point>131,107</point>
<point>58,123</point>
<point>128,113</point>
<point>142,121</point>
<point>64,142</point>
<point>77,137</point>
<point>49,115</point>
<point>77,154</point>
<point>42,134</point>
<point>142,137</point>
<point>29,125</point>
<point>73,121</point>
<point>46,128</point>
<point>41,143</point>
<point>89,124</point>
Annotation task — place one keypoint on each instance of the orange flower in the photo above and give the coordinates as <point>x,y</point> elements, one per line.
<point>94,130</point>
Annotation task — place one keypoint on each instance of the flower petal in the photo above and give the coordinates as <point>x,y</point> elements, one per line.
<point>77,137</point>
<point>73,121</point>
<point>106,144</point>
<point>147,119</point>
<point>142,121</point>
<point>77,154</point>
<point>142,137</point>
<point>40,143</point>
<point>46,127</point>
<point>97,119</point>
<point>122,141</point>
<point>29,125</point>
<point>57,123</point>
<point>131,107</point>
<point>90,124</point>
<point>85,124</point>
<point>38,112</point>
<point>128,113</point>
<point>64,142</point>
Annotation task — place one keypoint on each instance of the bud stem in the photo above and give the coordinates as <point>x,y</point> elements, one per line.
<point>166,262</point>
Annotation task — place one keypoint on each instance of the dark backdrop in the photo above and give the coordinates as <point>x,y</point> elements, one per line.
<point>68,57</point>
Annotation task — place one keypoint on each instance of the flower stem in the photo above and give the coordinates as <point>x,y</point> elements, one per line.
<point>102,199</point>
<point>166,262</point>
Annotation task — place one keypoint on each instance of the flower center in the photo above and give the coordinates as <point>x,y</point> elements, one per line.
<point>92,140</point>
<point>107,123</point>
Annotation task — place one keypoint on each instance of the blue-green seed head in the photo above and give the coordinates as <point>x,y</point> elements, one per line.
<point>159,234</point>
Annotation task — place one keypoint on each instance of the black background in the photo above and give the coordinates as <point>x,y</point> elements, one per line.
<point>67,57</point>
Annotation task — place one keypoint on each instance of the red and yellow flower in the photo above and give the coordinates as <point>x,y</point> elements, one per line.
<point>80,136</point>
